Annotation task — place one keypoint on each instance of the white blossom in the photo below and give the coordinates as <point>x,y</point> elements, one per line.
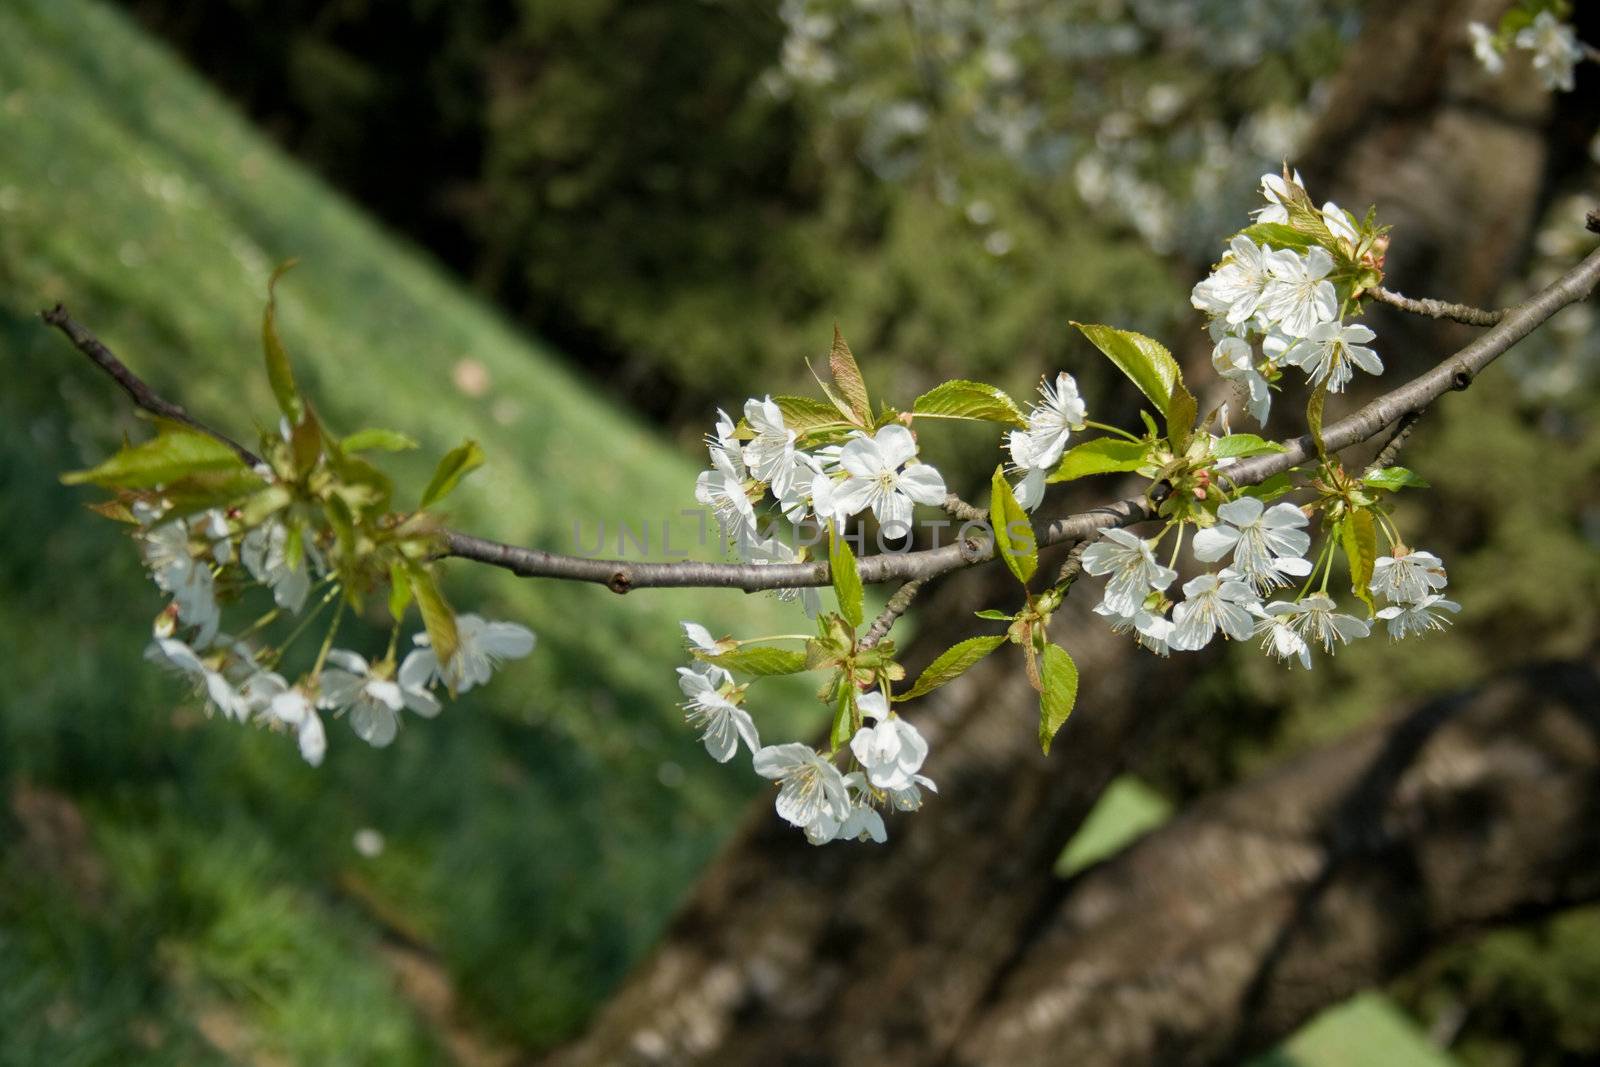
<point>273,699</point>
<point>881,475</point>
<point>721,722</point>
<point>1408,578</point>
<point>891,751</point>
<point>863,823</point>
<point>1051,423</point>
<point>1234,360</point>
<point>909,798</point>
<point>1275,627</point>
<point>1338,223</point>
<point>1131,563</point>
<point>187,580</point>
<point>1266,543</point>
<point>176,656</point>
<point>1234,291</point>
<point>1486,48</point>
<point>1315,620</point>
<point>265,554</point>
<point>1555,49</point>
<point>1299,296</point>
<point>699,637</point>
<point>1329,352</point>
<point>1277,193</point>
<point>811,790</point>
<point>1152,630</point>
<point>722,488</point>
<point>771,453</point>
<point>481,645</point>
<point>1418,617</point>
<point>373,700</point>
<point>1212,602</point>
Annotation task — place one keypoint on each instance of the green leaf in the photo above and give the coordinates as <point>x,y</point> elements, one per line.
<point>1278,235</point>
<point>1104,455</point>
<point>844,715</point>
<point>305,442</point>
<point>952,663</point>
<point>847,376</point>
<point>399,591</point>
<point>437,617</point>
<point>175,453</point>
<point>1239,445</point>
<point>279,373</point>
<point>1060,678</point>
<point>456,464</point>
<point>1393,478</point>
<point>804,415</point>
<point>846,580</point>
<point>1358,536</point>
<point>264,504</point>
<point>991,613</point>
<point>1145,361</point>
<point>1314,416</point>
<point>758,660</point>
<point>1182,409</point>
<point>378,440</point>
<point>1013,534</point>
<point>961,399</point>
<point>1271,489</point>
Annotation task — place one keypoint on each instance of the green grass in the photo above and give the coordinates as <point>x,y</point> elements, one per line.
<point>539,833</point>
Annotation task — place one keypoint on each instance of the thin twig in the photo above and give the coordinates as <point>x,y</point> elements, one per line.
<point>962,510</point>
<point>1397,440</point>
<point>1072,566</point>
<point>892,611</point>
<point>143,397</point>
<point>1437,309</point>
<point>1454,373</point>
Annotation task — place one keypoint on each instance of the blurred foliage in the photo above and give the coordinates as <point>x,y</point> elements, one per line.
<point>671,193</point>
<point>538,834</point>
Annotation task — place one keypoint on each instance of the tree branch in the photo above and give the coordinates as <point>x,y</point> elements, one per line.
<point>621,576</point>
<point>892,611</point>
<point>143,397</point>
<point>1437,309</point>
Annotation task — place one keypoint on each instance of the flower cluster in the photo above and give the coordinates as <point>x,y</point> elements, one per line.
<point>885,754</point>
<point>191,558</point>
<point>760,463</point>
<point>1552,44</point>
<point>1288,285</point>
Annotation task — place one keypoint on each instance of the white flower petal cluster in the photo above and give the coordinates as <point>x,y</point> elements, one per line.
<point>264,553</point>
<point>182,574</point>
<point>891,750</point>
<point>1555,48</point>
<point>722,488</point>
<point>1130,564</point>
<point>811,791</point>
<point>1267,545</point>
<point>1330,351</point>
<point>1212,603</point>
<point>1412,582</point>
<point>372,698</point>
<point>1037,450</point>
<point>709,708</point>
<point>1234,360</point>
<point>1486,48</point>
<point>1314,619</point>
<point>481,646</point>
<point>882,476</point>
<point>207,674</point>
<point>272,699</point>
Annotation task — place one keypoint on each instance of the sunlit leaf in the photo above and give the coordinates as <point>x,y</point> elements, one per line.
<point>847,377</point>
<point>1104,455</point>
<point>456,464</point>
<point>378,440</point>
<point>1060,693</point>
<point>279,373</point>
<point>1014,538</point>
<point>174,454</point>
<point>952,663</point>
<point>846,580</point>
<point>962,399</point>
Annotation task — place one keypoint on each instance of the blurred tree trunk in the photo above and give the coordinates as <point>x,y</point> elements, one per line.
<point>1218,935</point>
<point>785,954</point>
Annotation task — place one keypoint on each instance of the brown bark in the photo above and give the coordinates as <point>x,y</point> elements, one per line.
<point>1218,935</point>
<point>785,954</point>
